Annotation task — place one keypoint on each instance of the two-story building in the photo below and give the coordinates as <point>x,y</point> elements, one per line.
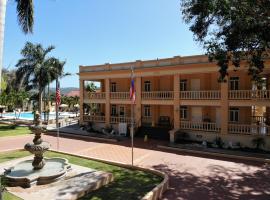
<point>180,93</point>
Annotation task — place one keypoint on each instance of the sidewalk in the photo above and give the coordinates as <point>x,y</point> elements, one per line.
<point>192,177</point>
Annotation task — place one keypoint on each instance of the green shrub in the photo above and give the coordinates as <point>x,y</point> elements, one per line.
<point>258,142</point>
<point>218,141</point>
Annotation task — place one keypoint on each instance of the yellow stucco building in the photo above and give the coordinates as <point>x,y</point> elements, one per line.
<point>180,93</point>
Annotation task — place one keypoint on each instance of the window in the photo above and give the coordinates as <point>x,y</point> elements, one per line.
<point>113,87</point>
<point>113,110</point>
<point>234,114</point>
<point>234,83</point>
<point>183,112</point>
<point>147,111</point>
<point>183,85</point>
<point>121,111</point>
<point>147,86</point>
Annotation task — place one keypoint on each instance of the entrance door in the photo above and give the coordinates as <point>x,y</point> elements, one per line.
<point>195,84</point>
<point>218,117</point>
<point>196,114</point>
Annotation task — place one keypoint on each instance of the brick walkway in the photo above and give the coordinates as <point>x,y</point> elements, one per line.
<point>191,177</point>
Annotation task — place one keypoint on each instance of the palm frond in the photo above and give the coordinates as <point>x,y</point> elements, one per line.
<point>25,12</point>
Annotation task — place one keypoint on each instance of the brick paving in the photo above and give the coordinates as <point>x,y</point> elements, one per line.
<point>192,177</point>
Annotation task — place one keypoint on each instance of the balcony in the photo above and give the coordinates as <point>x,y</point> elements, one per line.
<point>199,126</point>
<point>249,129</point>
<point>200,95</point>
<point>96,95</point>
<point>158,95</point>
<point>119,95</point>
<point>93,118</point>
<point>249,94</point>
<point>116,120</point>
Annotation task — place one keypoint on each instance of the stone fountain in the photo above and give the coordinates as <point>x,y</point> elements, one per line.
<point>40,170</point>
<point>38,147</point>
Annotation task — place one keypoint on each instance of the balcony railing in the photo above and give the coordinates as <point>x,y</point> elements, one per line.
<point>249,94</point>
<point>158,95</point>
<point>199,126</point>
<point>97,95</point>
<point>260,119</point>
<point>94,118</point>
<point>116,120</point>
<point>119,95</point>
<point>206,94</point>
<point>249,129</point>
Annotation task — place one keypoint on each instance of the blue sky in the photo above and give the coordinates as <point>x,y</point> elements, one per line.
<point>88,32</point>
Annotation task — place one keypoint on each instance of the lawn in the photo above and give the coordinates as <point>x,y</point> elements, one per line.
<point>127,184</point>
<point>13,130</point>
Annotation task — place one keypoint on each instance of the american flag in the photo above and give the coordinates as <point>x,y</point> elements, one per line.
<point>57,94</point>
<point>132,92</point>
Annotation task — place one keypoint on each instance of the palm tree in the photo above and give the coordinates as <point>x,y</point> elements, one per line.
<point>25,14</point>
<point>36,69</point>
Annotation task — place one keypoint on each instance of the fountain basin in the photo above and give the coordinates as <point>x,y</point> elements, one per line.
<point>25,176</point>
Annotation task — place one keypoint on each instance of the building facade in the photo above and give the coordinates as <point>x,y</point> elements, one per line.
<point>180,93</point>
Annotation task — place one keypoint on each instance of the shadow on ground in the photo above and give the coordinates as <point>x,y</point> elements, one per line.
<point>222,184</point>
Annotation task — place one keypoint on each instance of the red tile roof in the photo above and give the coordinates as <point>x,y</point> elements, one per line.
<point>73,93</point>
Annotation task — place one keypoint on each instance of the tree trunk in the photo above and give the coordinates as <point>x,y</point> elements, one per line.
<point>3,4</point>
<point>40,102</point>
<point>49,101</point>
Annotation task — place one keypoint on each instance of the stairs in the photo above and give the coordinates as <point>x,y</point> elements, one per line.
<point>160,133</point>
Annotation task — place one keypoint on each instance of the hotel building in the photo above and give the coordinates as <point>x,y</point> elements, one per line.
<point>179,93</point>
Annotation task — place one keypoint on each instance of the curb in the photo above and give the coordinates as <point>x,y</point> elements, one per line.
<point>80,136</point>
<point>246,158</point>
<point>154,194</point>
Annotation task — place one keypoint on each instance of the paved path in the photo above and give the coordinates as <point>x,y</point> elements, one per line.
<point>191,177</point>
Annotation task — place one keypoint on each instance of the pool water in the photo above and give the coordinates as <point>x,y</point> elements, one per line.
<point>26,115</point>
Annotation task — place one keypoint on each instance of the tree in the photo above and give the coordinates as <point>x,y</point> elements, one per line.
<point>231,31</point>
<point>36,69</point>
<point>25,14</point>
<point>91,87</point>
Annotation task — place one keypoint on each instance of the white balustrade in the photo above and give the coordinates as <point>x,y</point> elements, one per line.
<point>120,95</point>
<point>205,94</point>
<point>158,95</point>
<point>249,129</point>
<point>116,120</point>
<point>97,95</point>
<point>249,94</point>
<point>199,126</point>
<point>94,118</point>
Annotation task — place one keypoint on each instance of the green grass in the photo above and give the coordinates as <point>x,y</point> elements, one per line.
<point>128,184</point>
<point>9,196</point>
<point>13,130</point>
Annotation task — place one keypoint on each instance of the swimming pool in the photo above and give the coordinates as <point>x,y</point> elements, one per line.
<point>30,115</point>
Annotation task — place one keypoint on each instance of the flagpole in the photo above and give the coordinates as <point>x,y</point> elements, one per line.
<point>56,111</point>
<point>132,118</point>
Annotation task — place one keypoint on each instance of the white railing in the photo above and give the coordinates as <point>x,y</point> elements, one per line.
<point>115,120</point>
<point>249,94</point>
<point>205,94</point>
<point>249,129</point>
<point>199,126</point>
<point>260,119</point>
<point>119,95</point>
<point>97,95</point>
<point>94,118</point>
<point>158,95</point>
